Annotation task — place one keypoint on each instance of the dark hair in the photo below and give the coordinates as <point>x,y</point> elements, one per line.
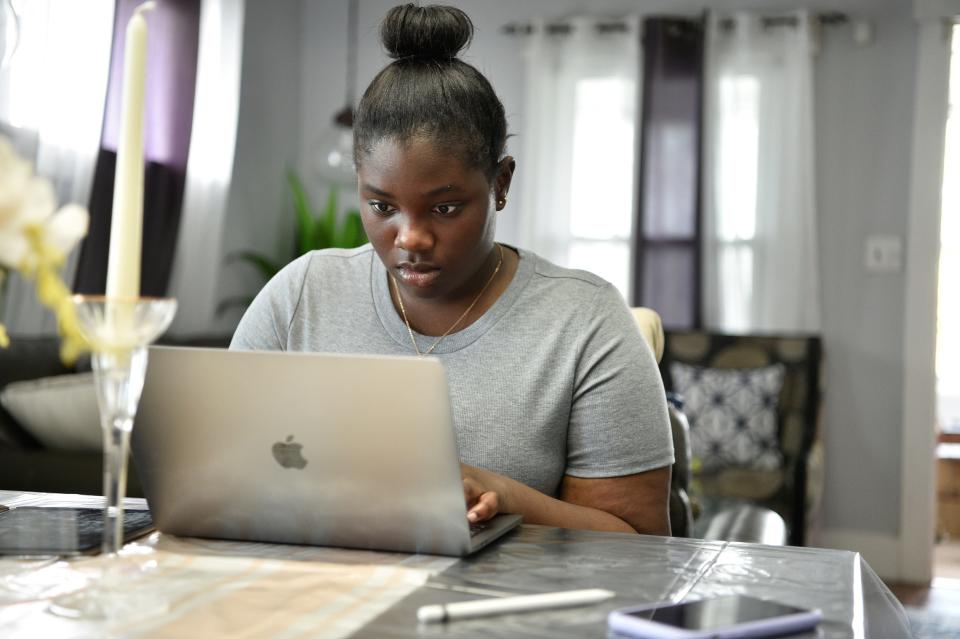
<point>428,91</point>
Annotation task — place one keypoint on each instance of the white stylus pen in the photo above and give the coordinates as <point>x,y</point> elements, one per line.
<point>505,605</point>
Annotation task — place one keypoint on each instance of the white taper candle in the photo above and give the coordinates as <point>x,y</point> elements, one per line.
<point>126,228</point>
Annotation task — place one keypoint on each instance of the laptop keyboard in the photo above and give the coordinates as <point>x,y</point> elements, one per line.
<point>478,528</point>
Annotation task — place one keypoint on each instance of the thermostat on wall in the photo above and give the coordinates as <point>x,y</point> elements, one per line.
<point>884,254</point>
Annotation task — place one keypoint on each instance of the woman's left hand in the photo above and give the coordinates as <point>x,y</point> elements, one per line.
<point>484,491</point>
<point>630,503</point>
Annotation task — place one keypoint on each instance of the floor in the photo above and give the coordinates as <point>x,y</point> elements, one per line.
<point>943,594</point>
<point>946,559</point>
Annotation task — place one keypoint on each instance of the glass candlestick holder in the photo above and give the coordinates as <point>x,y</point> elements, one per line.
<point>118,330</point>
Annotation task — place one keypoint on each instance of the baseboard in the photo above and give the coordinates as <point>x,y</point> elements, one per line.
<point>881,551</point>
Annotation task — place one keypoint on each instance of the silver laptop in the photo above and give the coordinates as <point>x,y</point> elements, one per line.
<point>304,448</point>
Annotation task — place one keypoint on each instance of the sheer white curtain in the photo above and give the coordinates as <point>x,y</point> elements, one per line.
<point>579,143</point>
<point>761,264</point>
<point>52,94</point>
<point>198,258</point>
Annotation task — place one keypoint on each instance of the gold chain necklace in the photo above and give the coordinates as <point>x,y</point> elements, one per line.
<point>403,311</point>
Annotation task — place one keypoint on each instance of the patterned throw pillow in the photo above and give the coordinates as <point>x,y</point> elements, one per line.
<point>732,414</point>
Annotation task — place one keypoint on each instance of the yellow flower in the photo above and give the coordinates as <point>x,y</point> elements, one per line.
<point>54,294</point>
<point>35,239</point>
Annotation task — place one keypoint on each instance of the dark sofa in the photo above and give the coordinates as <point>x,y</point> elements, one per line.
<point>27,465</point>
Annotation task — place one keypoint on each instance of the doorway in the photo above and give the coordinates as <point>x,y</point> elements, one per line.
<point>946,552</point>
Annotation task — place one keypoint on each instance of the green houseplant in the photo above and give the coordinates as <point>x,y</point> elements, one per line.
<point>314,230</point>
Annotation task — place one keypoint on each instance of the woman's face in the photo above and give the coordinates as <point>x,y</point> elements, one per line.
<point>429,217</point>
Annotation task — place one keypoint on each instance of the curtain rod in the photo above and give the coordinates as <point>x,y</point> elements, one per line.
<point>825,19</point>
<point>525,28</point>
<point>618,26</point>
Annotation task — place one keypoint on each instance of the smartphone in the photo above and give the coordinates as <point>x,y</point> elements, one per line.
<point>41,530</point>
<point>720,617</point>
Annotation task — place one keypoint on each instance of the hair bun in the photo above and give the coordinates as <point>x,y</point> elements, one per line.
<point>434,32</point>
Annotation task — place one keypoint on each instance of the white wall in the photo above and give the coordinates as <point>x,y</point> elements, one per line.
<point>259,217</point>
<point>863,109</point>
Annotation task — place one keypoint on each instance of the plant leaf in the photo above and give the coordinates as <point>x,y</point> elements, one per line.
<point>321,237</point>
<point>361,238</point>
<point>301,207</point>
<point>267,267</point>
<point>330,214</point>
<point>352,233</point>
<point>328,221</point>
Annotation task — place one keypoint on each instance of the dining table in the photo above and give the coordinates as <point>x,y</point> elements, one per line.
<point>249,589</point>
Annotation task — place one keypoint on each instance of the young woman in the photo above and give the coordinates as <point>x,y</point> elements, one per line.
<point>557,402</point>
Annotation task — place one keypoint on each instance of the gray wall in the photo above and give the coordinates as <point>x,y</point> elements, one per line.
<point>864,116</point>
<point>498,56</point>
<point>268,142</point>
<point>864,113</point>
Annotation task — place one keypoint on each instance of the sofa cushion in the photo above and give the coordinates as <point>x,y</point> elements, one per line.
<point>743,484</point>
<point>26,358</point>
<point>732,415</point>
<point>60,412</point>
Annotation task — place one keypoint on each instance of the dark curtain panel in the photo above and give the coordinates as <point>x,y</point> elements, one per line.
<point>667,229</point>
<point>172,42</point>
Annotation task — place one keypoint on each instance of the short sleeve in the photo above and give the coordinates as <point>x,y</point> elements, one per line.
<point>618,421</point>
<point>265,325</point>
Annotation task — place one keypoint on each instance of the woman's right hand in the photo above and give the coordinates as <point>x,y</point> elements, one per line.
<point>483,491</point>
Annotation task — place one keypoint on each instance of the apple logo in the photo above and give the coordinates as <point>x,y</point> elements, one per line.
<point>288,454</point>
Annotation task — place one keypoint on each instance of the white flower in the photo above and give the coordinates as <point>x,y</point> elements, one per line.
<point>35,239</point>
<point>65,228</point>
<point>32,231</point>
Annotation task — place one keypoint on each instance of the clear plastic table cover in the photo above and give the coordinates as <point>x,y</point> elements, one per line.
<point>643,569</point>
<point>222,588</point>
<point>210,588</point>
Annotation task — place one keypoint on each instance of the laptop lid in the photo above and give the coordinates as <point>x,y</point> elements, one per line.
<point>305,448</point>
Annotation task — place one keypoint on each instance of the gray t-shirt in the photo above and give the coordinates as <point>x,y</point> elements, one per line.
<point>553,379</point>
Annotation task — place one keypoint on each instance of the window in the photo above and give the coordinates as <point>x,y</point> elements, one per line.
<point>54,83</point>
<point>948,310</point>
<point>578,145</point>
<point>667,252</point>
<point>761,260</point>
<point>737,149</point>
<point>602,178</point>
